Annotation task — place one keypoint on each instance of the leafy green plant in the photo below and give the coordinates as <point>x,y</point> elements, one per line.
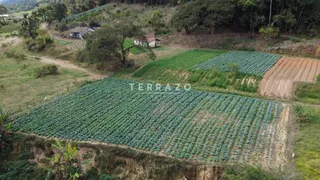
<point>318,78</point>
<point>46,70</point>
<point>65,161</point>
<point>270,32</point>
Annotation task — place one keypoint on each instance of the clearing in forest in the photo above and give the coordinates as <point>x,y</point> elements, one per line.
<point>190,125</point>
<point>279,80</point>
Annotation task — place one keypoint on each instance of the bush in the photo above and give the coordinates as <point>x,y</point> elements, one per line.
<point>270,32</point>
<point>15,55</point>
<point>318,78</point>
<point>40,43</point>
<point>46,70</point>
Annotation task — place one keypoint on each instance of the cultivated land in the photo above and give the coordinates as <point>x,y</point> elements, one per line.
<point>175,68</point>
<point>279,80</point>
<point>190,125</point>
<point>254,63</point>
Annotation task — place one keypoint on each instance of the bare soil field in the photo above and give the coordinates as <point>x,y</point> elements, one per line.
<point>279,80</point>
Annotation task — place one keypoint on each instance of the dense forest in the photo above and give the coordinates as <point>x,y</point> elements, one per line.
<point>205,16</point>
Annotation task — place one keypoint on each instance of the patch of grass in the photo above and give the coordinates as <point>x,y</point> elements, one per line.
<point>9,28</point>
<point>62,42</point>
<point>134,50</point>
<point>308,93</point>
<point>248,172</point>
<point>21,90</point>
<point>307,147</point>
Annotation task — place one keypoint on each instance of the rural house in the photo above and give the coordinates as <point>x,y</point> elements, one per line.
<point>79,32</point>
<point>150,39</point>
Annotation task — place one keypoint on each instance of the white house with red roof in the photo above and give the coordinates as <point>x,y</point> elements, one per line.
<point>150,39</point>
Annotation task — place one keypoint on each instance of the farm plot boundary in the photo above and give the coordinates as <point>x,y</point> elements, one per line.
<point>194,126</point>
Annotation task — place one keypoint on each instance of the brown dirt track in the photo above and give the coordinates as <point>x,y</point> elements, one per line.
<point>279,80</point>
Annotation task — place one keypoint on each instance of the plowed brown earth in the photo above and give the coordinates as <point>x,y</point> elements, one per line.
<point>278,81</point>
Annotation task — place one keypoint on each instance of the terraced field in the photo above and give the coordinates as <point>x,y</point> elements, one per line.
<point>254,63</point>
<point>279,80</point>
<point>191,125</point>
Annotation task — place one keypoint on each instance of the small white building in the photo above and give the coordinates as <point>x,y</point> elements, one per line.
<point>79,32</point>
<point>4,16</point>
<point>151,40</point>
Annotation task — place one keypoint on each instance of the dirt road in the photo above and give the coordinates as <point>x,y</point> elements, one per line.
<point>69,65</point>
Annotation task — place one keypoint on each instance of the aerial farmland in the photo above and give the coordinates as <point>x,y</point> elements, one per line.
<point>159,90</point>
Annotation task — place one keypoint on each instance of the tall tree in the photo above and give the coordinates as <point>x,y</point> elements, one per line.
<point>3,9</point>
<point>203,15</point>
<point>156,21</point>
<point>29,25</point>
<point>108,44</point>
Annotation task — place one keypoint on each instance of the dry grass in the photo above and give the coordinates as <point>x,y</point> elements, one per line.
<point>21,90</point>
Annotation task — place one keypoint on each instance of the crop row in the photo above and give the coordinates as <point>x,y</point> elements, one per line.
<point>184,124</point>
<point>254,63</point>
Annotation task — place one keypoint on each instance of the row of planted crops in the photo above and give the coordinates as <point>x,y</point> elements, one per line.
<point>185,124</point>
<point>234,70</point>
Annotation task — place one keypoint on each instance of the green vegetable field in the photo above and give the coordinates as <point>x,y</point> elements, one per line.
<point>175,68</point>
<point>192,125</point>
<point>254,63</point>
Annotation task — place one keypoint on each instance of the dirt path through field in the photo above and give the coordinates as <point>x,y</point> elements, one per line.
<point>69,65</point>
<point>279,80</point>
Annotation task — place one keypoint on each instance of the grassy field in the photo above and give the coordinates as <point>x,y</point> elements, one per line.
<point>10,28</point>
<point>308,93</point>
<point>193,125</point>
<point>177,65</point>
<point>21,90</point>
<point>62,42</point>
<point>307,147</point>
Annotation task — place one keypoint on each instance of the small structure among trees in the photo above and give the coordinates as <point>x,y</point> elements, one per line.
<point>149,40</point>
<point>79,32</point>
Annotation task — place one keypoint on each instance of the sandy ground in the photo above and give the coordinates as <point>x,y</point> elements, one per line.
<point>279,80</point>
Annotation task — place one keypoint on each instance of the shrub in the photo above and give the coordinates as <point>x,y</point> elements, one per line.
<point>318,78</point>
<point>270,32</point>
<point>15,55</point>
<point>40,43</point>
<point>46,70</point>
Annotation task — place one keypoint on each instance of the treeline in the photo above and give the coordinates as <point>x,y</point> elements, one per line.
<point>268,16</point>
<point>205,16</point>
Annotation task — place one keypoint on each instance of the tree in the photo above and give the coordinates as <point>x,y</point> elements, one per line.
<point>156,21</point>
<point>108,43</point>
<point>203,15</point>
<point>65,161</point>
<point>3,9</point>
<point>29,25</point>
<point>51,12</point>
<point>285,20</point>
